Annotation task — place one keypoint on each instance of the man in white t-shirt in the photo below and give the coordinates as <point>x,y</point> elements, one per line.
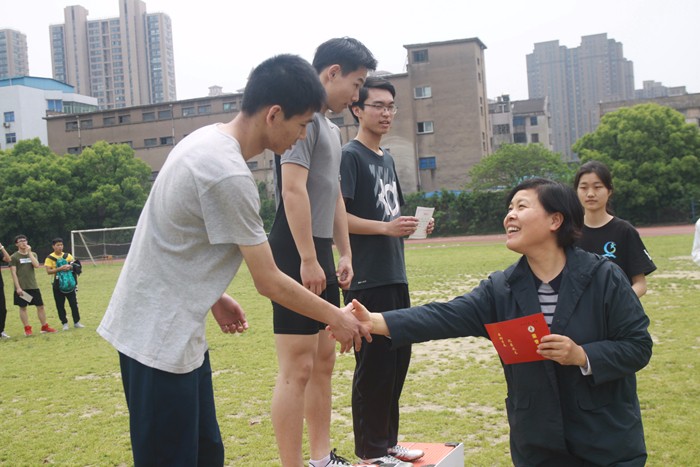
<point>205,204</point>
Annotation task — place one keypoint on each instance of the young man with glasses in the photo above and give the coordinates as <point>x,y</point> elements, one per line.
<point>373,201</point>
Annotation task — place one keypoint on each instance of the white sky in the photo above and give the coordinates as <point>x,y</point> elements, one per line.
<point>217,42</point>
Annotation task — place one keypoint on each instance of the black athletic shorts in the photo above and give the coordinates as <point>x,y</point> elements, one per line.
<point>37,300</point>
<point>286,321</point>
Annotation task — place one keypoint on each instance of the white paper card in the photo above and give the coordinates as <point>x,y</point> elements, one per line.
<point>26,297</point>
<point>424,215</point>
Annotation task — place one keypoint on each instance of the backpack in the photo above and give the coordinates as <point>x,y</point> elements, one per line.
<point>66,279</point>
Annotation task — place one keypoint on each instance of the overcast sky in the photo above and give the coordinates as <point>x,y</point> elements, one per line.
<point>217,42</point>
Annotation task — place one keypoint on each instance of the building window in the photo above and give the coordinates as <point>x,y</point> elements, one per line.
<point>9,117</point>
<point>253,165</point>
<point>124,119</point>
<point>54,105</point>
<point>501,129</point>
<point>149,116</point>
<point>520,138</point>
<point>425,127</point>
<point>165,114</point>
<point>128,143</point>
<point>422,92</point>
<point>420,56</point>
<point>535,138</point>
<point>518,121</point>
<point>109,121</point>
<point>189,111</point>
<point>204,109</point>
<point>230,106</point>
<point>149,142</point>
<point>427,163</point>
<point>86,123</point>
<point>10,138</point>
<point>73,150</point>
<point>71,125</point>
<point>533,121</point>
<point>166,140</point>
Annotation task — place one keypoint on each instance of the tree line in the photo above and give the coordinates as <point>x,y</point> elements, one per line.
<point>654,156</point>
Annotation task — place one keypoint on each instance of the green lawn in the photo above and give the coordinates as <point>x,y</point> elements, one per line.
<point>61,400</point>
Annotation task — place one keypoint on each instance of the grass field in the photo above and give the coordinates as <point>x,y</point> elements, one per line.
<point>61,400</point>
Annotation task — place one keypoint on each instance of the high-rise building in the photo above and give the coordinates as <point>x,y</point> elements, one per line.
<point>122,61</point>
<point>576,81</point>
<point>14,60</point>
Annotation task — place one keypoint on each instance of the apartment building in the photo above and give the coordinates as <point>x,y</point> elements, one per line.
<point>14,60</point>
<point>520,122</point>
<point>575,81</point>
<point>123,61</point>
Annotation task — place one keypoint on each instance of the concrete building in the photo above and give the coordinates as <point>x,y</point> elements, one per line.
<point>687,104</point>
<point>439,133</point>
<point>576,81</point>
<point>25,102</point>
<point>520,122</point>
<point>14,59</point>
<point>123,61</point>
<point>651,89</point>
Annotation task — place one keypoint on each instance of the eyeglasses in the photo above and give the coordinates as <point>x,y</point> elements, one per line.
<point>392,109</point>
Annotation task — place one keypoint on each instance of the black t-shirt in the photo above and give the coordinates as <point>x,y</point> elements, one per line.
<point>371,190</point>
<point>620,243</point>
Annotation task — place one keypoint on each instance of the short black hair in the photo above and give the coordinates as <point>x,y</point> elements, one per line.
<point>372,82</point>
<point>347,52</point>
<point>285,80</point>
<point>56,240</point>
<point>20,237</point>
<point>556,197</point>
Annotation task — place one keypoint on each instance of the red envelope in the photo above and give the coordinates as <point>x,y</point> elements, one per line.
<point>516,340</point>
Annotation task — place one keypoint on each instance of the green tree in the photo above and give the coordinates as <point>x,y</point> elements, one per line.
<point>109,185</point>
<point>512,163</point>
<point>44,195</point>
<point>654,156</point>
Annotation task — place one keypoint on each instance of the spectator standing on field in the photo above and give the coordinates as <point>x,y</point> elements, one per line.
<point>3,305</point>
<point>310,218</point>
<point>373,201</point>
<point>200,221</point>
<point>22,265</point>
<point>59,296</point>
<point>608,235</point>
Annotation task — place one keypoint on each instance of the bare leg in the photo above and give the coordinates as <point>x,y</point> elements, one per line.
<point>41,313</point>
<point>318,398</point>
<point>23,316</point>
<point>295,356</point>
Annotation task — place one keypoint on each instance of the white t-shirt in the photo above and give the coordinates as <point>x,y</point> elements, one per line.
<point>184,253</point>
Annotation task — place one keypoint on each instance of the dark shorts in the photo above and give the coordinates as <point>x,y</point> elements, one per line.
<point>36,301</point>
<point>286,321</point>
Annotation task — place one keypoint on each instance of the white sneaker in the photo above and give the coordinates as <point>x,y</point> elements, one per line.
<point>405,454</point>
<point>387,461</point>
<point>65,326</point>
<point>78,325</point>
<point>3,335</point>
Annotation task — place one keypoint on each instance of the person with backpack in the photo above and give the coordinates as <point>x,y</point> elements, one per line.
<point>64,268</point>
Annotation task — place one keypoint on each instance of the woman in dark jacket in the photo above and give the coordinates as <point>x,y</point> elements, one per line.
<point>579,406</point>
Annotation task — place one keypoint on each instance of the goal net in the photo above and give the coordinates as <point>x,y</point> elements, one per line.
<point>101,244</point>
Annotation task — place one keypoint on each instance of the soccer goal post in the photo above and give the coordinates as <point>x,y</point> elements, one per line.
<point>101,244</point>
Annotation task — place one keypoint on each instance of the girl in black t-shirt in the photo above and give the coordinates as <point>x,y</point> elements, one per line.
<point>605,234</point>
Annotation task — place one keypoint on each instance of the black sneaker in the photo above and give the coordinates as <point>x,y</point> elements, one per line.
<point>336,460</point>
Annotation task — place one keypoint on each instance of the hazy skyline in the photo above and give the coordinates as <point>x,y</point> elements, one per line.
<point>217,43</point>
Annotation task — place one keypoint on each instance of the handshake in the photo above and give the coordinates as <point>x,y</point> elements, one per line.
<point>352,324</point>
